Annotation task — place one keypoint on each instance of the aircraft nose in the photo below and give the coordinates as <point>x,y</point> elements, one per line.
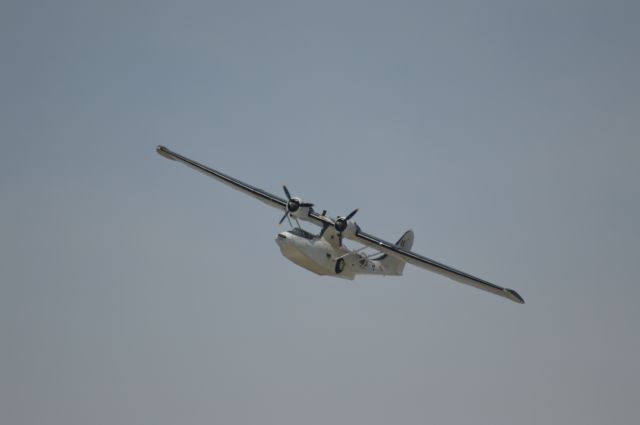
<point>281,238</point>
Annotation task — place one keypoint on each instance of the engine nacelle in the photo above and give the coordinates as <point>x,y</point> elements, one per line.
<point>297,208</point>
<point>346,228</point>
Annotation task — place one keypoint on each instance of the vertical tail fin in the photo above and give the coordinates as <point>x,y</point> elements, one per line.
<point>393,265</point>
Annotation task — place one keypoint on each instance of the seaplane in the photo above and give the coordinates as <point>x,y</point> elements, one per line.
<point>325,253</point>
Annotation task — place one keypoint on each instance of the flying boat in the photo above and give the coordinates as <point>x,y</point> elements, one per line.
<point>325,253</point>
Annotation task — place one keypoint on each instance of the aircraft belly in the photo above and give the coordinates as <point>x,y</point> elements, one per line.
<point>298,257</point>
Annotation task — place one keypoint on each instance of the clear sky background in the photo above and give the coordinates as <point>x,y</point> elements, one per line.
<point>136,291</point>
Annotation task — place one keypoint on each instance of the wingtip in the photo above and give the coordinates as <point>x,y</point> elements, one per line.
<point>164,152</point>
<point>514,296</point>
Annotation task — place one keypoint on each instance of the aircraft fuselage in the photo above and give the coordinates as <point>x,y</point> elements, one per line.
<point>319,256</point>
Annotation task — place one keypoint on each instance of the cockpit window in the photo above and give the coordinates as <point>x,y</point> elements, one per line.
<point>302,233</point>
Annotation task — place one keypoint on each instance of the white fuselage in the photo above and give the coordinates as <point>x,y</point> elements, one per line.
<point>317,254</point>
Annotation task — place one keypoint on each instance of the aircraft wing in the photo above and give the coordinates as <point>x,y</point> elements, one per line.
<point>433,266</point>
<point>259,194</point>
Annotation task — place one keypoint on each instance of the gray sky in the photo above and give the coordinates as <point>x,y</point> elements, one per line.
<point>136,291</point>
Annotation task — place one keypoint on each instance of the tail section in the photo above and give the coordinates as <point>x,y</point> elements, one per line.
<point>393,265</point>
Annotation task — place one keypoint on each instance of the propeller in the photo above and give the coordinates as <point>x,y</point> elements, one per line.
<point>341,224</point>
<point>293,204</point>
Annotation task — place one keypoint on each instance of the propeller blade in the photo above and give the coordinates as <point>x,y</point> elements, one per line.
<point>351,214</point>
<point>286,191</point>
<point>283,217</point>
<point>306,204</point>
